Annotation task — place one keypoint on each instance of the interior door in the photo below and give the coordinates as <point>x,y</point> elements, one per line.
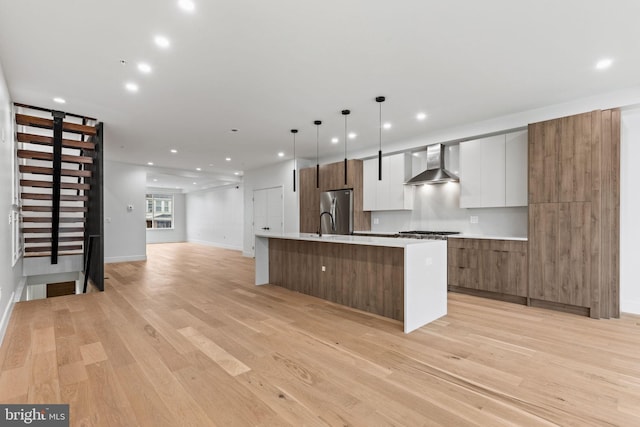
<point>267,210</point>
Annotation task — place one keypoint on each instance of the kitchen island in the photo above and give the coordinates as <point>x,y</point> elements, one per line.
<point>403,279</point>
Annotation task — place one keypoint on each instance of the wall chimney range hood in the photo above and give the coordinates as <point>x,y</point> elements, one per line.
<point>435,173</point>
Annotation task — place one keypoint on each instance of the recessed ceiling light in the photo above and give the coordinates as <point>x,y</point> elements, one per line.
<point>236,173</point>
<point>603,64</point>
<point>174,151</point>
<point>59,100</point>
<point>421,116</point>
<point>161,41</point>
<point>155,180</point>
<point>334,140</point>
<point>131,87</point>
<point>281,154</point>
<point>187,5</point>
<point>198,169</point>
<point>195,183</point>
<point>150,163</point>
<point>228,159</point>
<point>352,135</point>
<point>387,125</point>
<point>143,67</point>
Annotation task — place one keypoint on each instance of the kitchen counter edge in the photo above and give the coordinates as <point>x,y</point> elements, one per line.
<point>395,242</point>
<point>475,236</point>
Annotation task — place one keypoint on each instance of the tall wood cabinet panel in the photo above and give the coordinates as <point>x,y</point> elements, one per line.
<point>543,161</point>
<point>574,212</point>
<point>331,178</point>
<point>574,157</point>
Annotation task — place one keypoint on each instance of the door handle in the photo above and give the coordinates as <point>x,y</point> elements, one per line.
<point>265,228</point>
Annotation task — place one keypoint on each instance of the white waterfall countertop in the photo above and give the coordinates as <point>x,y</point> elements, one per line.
<point>392,242</point>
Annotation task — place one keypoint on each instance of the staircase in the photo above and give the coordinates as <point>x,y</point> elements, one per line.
<point>60,166</point>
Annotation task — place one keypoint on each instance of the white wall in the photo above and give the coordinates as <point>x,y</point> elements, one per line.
<point>629,212</point>
<point>214,216</point>
<point>10,275</point>
<point>124,230</point>
<point>179,231</point>
<point>269,177</point>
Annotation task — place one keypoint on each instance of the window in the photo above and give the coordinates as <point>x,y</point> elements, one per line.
<point>159,211</point>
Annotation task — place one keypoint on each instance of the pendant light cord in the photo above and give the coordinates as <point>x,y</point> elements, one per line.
<point>317,123</point>
<point>380,100</point>
<point>345,113</point>
<point>380,129</point>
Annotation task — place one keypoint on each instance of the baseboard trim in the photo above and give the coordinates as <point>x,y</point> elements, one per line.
<point>557,306</point>
<point>6,316</point>
<point>215,244</point>
<point>132,258</point>
<point>630,307</point>
<point>488,294</point>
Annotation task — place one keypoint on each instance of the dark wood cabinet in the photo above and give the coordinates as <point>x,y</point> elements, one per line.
<point>574,213</point>
<point>369,278</point>
<point>331,178</point>
<point>487,267</point>
<point>309,201</point>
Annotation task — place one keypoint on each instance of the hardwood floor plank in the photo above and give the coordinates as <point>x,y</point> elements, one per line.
<point>185,338</point>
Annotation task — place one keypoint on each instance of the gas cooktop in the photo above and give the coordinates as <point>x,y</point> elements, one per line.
<point>424,234</point>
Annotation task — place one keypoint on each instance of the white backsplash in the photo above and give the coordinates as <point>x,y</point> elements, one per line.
<point>436,207</point>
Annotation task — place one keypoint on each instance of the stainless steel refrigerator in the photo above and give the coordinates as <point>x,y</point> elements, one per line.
<point>336,212</point>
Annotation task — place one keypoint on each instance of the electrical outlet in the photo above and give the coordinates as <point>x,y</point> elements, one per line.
<point>324,268</point>
<point>376,221</point>
<point>428,261</point>
<point>473,219</point>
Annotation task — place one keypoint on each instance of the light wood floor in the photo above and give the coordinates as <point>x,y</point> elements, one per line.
<point>186,339</point>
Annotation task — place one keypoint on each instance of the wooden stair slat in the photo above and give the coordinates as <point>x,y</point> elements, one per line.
<point>49,184</point>
<point>63,197</point>
<point>48,254</point>
<point>49,171</point>
<point>38,230</point>
<point>48,140</point>
<point>49,208</point>
<point>48,239</point>
<point>43,155</point>
<point>44,219</point>
<point>40,122</point>
<point>48,248</point>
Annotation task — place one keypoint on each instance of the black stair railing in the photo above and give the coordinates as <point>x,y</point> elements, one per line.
<point>58,117</point>
<point>94,225</point>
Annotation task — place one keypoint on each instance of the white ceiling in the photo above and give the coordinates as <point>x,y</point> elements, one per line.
<point>265,67</point>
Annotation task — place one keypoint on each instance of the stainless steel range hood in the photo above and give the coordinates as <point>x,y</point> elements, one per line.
<point>435,173</point>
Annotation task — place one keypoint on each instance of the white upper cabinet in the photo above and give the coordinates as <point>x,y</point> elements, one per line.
<point>493,171</point>
<point>389,194</point>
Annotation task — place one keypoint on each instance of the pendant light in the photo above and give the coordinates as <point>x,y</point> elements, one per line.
<point>380,100</point>
<point>294,131</point>
<point>317,123</point>
<point>345,113</point>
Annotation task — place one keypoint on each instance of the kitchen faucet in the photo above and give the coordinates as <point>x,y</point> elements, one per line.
<point>333,224</point>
